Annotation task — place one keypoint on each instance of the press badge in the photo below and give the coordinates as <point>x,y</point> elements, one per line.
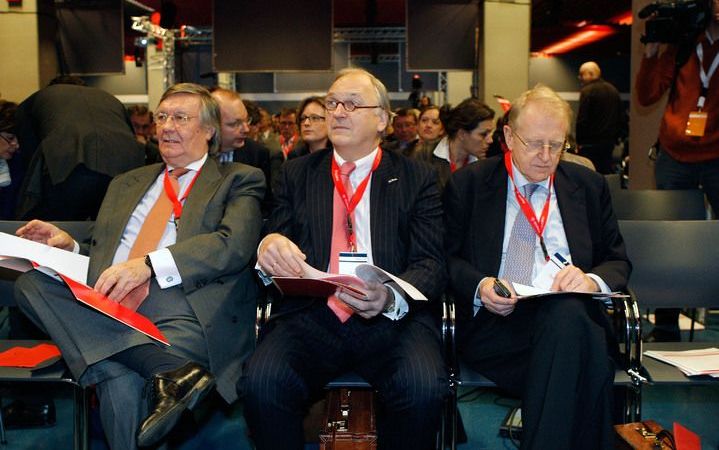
<point>348,262</point>
<point>696,124</point>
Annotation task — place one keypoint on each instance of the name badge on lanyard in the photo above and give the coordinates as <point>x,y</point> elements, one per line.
<point>697,122</point>
<point>349,262</point>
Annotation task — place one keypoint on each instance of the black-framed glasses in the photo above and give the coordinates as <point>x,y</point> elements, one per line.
<point>314,118</point>
<point>10,138</point>
<point>180,119</point>
<point>537,145</point>
<point>349,106</point>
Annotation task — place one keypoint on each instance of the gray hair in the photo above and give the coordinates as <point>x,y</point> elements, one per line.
<point>209,110</point>
<point>546,99</point>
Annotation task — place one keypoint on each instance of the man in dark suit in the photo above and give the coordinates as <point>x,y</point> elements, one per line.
<point>74,139</point>
<point>554,352</point>
<point>235,146</point>
<point>202,293</point>
<point>388,338</point>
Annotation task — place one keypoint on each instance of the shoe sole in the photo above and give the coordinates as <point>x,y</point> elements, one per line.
<point>167,422</point>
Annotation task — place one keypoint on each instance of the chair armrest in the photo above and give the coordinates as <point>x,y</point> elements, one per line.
<point>449,337</point>
<point>630,325</point>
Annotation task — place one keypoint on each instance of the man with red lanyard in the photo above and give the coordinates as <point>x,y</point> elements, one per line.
<point>529,218</point>
<point>688,146</point>
<point>365,205</point>
<point>175,240</point>
<point>288,130</point>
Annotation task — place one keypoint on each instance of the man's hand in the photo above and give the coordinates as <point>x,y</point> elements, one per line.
<point>279,256</point>
<point>378,297</point>
<point>571,278</point>
<point>494,302</point>
<point>46,233</point>
<point>118,280</point>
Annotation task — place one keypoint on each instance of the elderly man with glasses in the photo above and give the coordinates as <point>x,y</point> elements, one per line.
<point>368,205</point>
<point>529,218</point>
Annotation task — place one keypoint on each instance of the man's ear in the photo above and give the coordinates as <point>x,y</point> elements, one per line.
<point>508,136</point>
<point>383,121</point>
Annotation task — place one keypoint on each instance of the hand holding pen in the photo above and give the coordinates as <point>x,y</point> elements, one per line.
<point>571,278</point>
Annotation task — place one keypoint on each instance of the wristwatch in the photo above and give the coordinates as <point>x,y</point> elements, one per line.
<point>391,305</point>
<point>148,263</point>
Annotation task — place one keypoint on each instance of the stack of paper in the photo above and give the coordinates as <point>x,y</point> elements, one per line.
<point>703,361</point>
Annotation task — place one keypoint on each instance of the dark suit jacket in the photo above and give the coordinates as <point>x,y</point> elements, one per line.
<point>73,125</point>
<point>406,219</point>
<point>475,210</point>
<point>216,239</point>
<point>257,155</point>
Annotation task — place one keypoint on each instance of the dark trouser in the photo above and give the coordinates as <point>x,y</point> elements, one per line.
<point>600,155</point>
<point>87,339</point>
<point>76,198</point>
<point>553,353</point>
<point>672,174</point>
<point>304,351</point>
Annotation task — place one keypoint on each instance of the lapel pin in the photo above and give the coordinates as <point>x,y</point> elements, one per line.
<point>392,180</point>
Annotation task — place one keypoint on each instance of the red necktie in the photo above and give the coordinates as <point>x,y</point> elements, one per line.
<point>340,239</point>
<point>150,234</point>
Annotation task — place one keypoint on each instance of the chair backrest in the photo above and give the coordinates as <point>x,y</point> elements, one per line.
<point>674,262</point>
<point>79,230</point>
<point>652,204</point>
<point>614,180</point>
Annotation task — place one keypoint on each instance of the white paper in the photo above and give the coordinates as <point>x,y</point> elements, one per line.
<point>703,361</point>
<point>67,263</point>
<point>369,272</point>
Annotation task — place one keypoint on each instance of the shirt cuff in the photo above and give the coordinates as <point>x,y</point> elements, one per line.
<point>603,287</point>
<point>401,307</point>
<point>478,298</point>
<point>166,272</point>
<point>75,247</point>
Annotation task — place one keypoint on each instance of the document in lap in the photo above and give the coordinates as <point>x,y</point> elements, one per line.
<point>530,292</point>
<point>71,268</point>
<point>316,283</point>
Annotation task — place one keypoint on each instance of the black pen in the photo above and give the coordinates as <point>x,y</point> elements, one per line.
<point>500,289</point>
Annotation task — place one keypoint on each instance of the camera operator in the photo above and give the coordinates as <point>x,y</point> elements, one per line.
<point>688,145</point>
<point>688,151</point>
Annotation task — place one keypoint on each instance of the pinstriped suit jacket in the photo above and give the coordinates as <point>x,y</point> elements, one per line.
<point>405,225</point>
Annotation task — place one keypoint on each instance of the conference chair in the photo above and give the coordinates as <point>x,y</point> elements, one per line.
<point>674,265</point>
<point>57,375</point>
<point>653,204</point>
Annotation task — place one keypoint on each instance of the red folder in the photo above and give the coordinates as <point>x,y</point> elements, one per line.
<point>29,357</point>
<point>685,438</point>
<point>319,287</point>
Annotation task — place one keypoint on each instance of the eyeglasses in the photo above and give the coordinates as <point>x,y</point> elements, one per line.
<point>349,106</point>
<point>286,123</point>
<point>10,138</point>
<point>180,119</point>
<point>314,118</point>
<point>239,123</point>
<point>535,146</point>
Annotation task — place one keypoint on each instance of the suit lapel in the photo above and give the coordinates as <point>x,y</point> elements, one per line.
<point>133,189</point>
<point>193,210</point>
<point>573,207</point>
<point>383,212</point>
<point>493,194</point>
<point>319,199</point>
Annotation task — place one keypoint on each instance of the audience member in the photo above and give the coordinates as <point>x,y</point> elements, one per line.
<point>391,340</point>
<point>76,139</point>
<point>601,121</point>
<point>288,130</point>
<point>469,128</point>
<point>313,127</point>
<point>554,353</point>
<point>254,119</point>
<point>404,132</point>
<point>8,147</point>
<point>144,128</point>
<point>193,274</point>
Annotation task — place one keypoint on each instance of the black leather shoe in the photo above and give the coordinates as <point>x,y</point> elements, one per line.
<point>20,414</point>
<point>173,392</point>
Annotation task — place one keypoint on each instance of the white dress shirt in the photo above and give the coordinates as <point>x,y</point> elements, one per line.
<point>555,238</point>
<point>163,263</point>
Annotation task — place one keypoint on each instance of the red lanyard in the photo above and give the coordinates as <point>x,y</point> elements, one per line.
<point>351,204</point>
<point>537,225</point>
<point>172,195</point>
<point>453,165</point>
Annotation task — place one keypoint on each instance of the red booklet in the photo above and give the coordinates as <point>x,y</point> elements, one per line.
<point>22,255</point>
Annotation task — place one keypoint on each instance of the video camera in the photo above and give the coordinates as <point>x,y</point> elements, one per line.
<point>674,22</point>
